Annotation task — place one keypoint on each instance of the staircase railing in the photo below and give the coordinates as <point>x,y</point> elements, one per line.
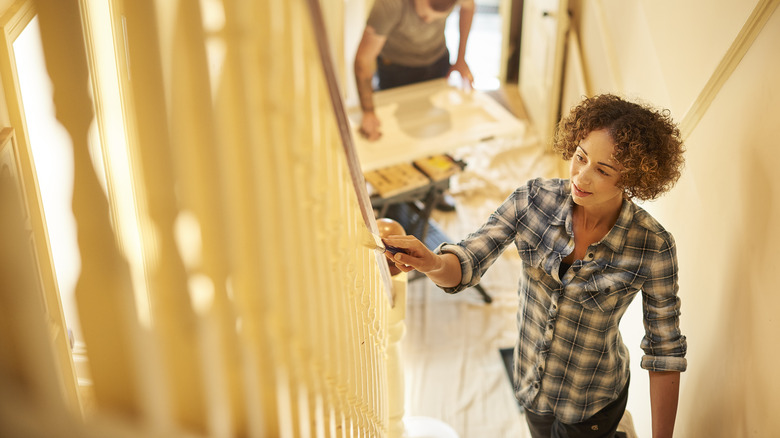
<point>269,316</point>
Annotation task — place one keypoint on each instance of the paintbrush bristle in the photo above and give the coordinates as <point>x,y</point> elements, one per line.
<point>371,240</point>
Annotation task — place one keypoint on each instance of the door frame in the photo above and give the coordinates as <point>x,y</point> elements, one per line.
<point>12,22</point>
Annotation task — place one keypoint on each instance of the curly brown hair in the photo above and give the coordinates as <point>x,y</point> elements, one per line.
<point>647,142</point>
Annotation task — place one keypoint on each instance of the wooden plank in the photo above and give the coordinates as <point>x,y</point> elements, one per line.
<point>431,118</point>
<point>390,181</point>
<point>437,167</point>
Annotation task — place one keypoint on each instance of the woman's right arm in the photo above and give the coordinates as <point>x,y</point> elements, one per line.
<point>442,269</point>
<point>460,266</point>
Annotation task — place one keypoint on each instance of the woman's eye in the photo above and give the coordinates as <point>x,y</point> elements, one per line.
<point>603,173</point>
<point>580,157</point>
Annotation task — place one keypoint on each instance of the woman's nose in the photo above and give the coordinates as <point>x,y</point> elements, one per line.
<point>585,176</point>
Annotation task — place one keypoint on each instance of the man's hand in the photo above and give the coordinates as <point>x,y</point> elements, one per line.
<point>369,126</point>
<point>370,46</point>
<point>465,73</point>
<point>467,8</point>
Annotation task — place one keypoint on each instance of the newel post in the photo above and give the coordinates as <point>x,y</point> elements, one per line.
<point>395,367</point>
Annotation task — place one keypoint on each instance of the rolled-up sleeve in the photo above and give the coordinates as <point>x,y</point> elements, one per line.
<point>664,344</point>
<point>479,250</point>
<point>466,267</point>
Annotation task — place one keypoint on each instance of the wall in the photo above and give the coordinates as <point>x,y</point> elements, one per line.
<point>723,212</point>
<point>733,290</point>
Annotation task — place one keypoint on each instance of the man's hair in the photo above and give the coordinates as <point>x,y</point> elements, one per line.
<point>647,142</point>
<point>441,5</point>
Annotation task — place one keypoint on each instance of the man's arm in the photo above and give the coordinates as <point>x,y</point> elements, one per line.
<point>467,8</point>
<point>365,66</point>
<point>664,391</point>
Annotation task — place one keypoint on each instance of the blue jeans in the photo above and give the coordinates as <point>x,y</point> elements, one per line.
<point>393,75</point>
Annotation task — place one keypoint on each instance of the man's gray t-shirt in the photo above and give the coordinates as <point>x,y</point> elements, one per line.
<point>410,41</point>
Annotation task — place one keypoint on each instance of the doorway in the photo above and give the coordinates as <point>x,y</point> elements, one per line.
<point>483,53</point>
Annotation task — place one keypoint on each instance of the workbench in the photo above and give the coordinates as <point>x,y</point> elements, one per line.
<point>422,122</point>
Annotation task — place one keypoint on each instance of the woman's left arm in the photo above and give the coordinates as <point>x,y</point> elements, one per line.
<point>664,391</point>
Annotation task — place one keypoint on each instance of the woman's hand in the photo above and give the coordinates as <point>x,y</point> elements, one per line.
<point>442,269</point>
<point>414,254</point>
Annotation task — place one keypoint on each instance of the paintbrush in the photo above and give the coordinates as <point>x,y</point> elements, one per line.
<point>373,241</point>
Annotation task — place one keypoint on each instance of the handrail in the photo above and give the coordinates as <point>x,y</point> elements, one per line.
<point>345,131</point>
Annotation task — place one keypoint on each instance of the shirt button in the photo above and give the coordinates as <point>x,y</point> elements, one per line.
<point>536,385</point>
<point>549,326</point>
<point>541,368</point>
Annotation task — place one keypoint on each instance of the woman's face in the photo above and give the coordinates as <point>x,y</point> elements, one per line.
<point>594,174</point>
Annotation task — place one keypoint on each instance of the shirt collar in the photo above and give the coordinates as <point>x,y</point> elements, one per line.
<point>563,214</point>
<point>616,237</point>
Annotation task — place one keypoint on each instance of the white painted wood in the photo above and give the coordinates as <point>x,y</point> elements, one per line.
<point>103,292</point>
<point>175,324</point>
<point>545,23</point>
<point>202,189</point>
<point>430,118</point>
<point>395,369</point>
<point>17,153</point>
<point>574,83</point>
<point>727,65</point>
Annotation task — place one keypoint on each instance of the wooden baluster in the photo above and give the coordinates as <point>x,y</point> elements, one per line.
<point>340,301</point>
<point>173,317</point>
<point>198,153</point>
<point>317,320</point>
<point>322,321</point>
<point>283,95</point>
<point>267,82</point>
<point>103,293</point>
<point>240,129</point>
<point>395,367</point>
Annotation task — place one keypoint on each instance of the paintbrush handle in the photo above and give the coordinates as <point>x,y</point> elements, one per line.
<point>394,249</point>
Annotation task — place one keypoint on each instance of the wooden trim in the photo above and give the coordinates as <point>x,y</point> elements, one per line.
<point>17,17</point>
<point>727,65</point>
<point>12,23</point>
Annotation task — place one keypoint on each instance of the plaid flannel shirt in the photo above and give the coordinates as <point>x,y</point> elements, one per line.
<point>570,360</point>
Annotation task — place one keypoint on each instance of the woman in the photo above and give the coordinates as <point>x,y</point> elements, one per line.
<point>586,251</point>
